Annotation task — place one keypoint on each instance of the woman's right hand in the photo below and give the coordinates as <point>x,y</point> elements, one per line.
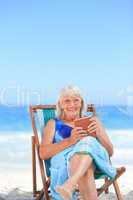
<point>77,134</point>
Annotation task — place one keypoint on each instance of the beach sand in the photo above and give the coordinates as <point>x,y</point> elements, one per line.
<point>18,185</point>
<point>17,194</point>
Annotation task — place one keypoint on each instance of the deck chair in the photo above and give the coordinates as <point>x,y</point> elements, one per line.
<point>39,116</point>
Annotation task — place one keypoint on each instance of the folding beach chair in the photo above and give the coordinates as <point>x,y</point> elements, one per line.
<point>39,116</point>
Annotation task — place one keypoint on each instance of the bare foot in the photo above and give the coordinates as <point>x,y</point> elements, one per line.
<point>64,193</point>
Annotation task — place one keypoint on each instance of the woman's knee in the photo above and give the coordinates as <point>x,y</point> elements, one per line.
<point>74,159</point>
<point>87,159</point>
<point>83,156</point>
<point>80,158</point>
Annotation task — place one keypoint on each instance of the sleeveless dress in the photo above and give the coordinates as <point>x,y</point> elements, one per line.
<point>59,164</point>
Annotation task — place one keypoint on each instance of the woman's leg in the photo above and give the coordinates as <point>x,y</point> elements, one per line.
<point>79,165</point>
<point>87,186</point>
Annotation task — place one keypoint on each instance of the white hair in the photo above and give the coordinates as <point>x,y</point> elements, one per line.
<point>70,90</point>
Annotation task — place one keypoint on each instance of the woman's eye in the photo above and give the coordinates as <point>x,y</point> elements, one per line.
<point>76,100</point>
<point>67,101</point>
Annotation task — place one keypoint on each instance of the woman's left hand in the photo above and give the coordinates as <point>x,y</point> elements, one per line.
<point>95,127</point>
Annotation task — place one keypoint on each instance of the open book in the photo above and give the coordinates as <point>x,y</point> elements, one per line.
<point>84,122</point>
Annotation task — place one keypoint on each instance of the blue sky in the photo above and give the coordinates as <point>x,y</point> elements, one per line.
<point>45,45</point>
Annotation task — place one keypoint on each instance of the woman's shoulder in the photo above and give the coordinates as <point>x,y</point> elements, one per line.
<point>53,122</point>
<point>50,123</point>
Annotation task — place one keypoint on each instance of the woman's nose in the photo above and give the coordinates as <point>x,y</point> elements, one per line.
<point>72,103</point>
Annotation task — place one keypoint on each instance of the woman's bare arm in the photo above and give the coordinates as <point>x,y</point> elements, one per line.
<point>47,148</point>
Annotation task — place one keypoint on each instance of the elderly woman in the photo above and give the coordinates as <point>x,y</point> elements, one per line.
<point>75,153</point>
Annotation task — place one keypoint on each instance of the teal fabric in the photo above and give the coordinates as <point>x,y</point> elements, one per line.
<point>47,115</point>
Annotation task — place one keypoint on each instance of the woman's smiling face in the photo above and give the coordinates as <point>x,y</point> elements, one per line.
<point>71,105</point>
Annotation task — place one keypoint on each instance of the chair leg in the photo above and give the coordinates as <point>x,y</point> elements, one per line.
<point>34,166</point>
<point>120,171</point>
<point>43,176</point>
<point>117,190</point>
<point>106,190</point>
<point>39,197</point>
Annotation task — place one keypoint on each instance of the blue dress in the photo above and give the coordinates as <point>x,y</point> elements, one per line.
<point>59,164</point>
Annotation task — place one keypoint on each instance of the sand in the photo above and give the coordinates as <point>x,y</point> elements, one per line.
<point>17,185</point>
<point>17,194</point>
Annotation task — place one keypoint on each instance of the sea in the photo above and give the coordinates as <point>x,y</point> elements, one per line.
<point>16,132</point>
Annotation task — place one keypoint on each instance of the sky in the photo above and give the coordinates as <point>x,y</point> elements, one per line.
<point>46,45</point>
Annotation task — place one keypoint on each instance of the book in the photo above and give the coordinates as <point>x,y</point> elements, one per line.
<point>83,122</point>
